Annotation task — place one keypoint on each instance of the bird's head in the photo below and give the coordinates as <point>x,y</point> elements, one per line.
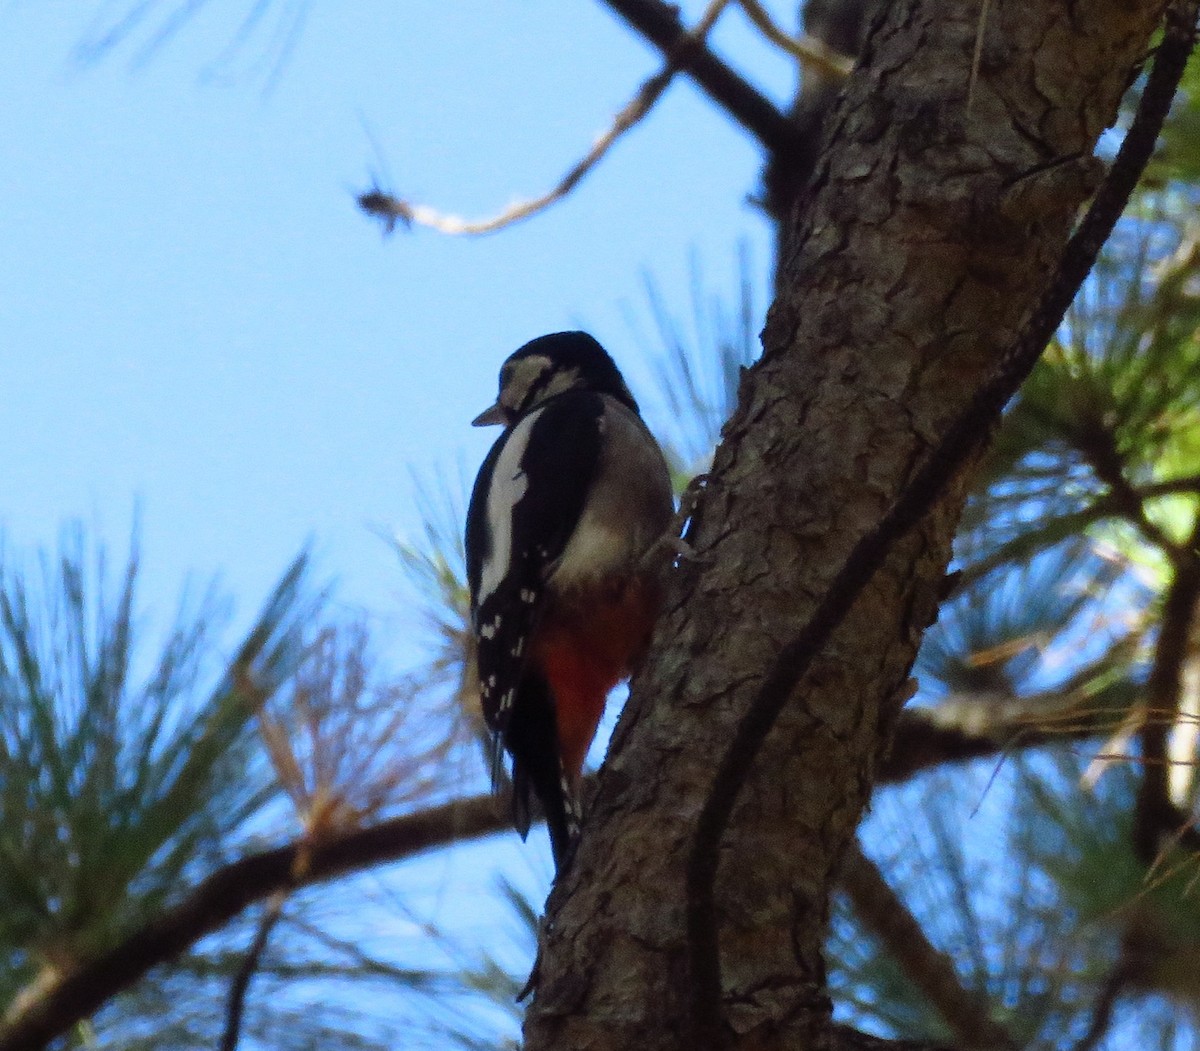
<point>551,365</point>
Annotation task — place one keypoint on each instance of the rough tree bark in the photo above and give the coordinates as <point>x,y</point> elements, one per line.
<point>930,229</point>
<point>842,26</point>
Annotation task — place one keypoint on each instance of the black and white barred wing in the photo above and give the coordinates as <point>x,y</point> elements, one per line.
<point>527,500</point>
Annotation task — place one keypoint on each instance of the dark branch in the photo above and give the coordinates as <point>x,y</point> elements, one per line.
<point>236,1004</point>
<point>1103,1008</point>
<point>1050,531</point>
<point>659,23</point>
<point>960,442</point>
<point>923,739</point>
<point>225,894</point>
<point>1155,815</point>
<point>882,912</point>
<point>1099,447</point>
<point>847,1039</point>
<point>959,729</point>
<point>392,210</point>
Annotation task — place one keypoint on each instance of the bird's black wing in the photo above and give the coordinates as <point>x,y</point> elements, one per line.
<point>527,500</point>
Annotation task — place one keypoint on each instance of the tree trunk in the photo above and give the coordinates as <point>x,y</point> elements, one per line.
<point>841,25</point>
<point>934,221</point>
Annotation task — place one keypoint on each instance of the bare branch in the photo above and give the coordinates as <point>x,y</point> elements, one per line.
<point>924,739</point>
<point>970,728</point>
<point>235,1006</point>
<point>808,50</point>
<point>1140,947</point>
<point>224,894</point>
<point>659,23</point>
<point>1049,531</point>
<point>1155,814</point>
<point>932,971</point>
<point>392,210</point>
<point>958,443</point>
<point>1102,1010</point>
<point>1099,447</point>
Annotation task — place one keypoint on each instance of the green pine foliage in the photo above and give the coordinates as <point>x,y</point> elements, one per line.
<point>1022,868</point>
<point>125,774</point>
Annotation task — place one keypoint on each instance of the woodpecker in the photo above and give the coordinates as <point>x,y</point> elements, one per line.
<point>567,505</point>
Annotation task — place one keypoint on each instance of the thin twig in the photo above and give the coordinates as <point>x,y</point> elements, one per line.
<point>1023,546</point>
<point>958,445</point>
<point>884,913</point>
<point>272,914</point>
<point>808,50</point>
<point>924,739</point>
<point>1099,447</point>
<point>1138,946</point>
<point>236,1004</point>
<point>1155,813</point>
<point>961,731</point>
<point>392,210</point>
<point>660,24</point>
<point>228,891</point>
<point>1102,1011</point>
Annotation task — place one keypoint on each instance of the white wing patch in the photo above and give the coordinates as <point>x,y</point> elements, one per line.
<point>509,484</point>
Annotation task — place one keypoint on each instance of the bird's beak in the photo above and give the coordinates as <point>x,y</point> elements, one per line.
<point>493,416</point>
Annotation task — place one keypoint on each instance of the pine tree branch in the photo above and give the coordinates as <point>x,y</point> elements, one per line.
<point>1041,536</point>
<point>1155,815</point>
<point>932,971</point>
<point>924,739</point>
<point>1104,1007</point>
<point>223,895</point>
<point>392,210</point>
<point>966,728</point>
<point>1189,483</point>
<point>660,24</point>
<point>957,445</point>
<point>1099,447</point>
<point>1045,533</point>
<point>979,728</point>
<point>236,1004</point>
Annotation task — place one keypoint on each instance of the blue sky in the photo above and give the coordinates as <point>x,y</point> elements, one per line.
<point>195,320</point>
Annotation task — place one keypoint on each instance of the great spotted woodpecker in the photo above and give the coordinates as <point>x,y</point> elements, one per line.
<point>568,502</point>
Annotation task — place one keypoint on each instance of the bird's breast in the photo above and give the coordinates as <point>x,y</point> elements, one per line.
<point>628,508</point>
